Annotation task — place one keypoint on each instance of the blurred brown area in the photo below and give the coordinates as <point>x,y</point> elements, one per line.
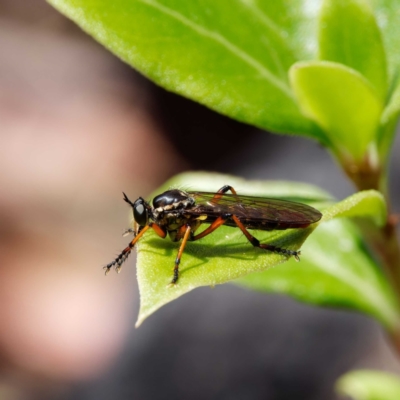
<point>78,127</point>
<point>75,131</point>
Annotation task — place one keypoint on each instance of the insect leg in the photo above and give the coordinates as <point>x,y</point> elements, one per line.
<point>125,253</point>
<point>222,191</point>
<point>128,232</point>
<point>157,229</point>
<point>256,243</point>
<point>227,188</point>
<point>180,252</point>
<point>216,224</point>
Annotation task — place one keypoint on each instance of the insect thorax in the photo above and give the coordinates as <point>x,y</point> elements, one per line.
<point>172,216</point>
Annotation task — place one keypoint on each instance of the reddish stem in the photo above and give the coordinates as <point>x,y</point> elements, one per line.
<point>367,175</point>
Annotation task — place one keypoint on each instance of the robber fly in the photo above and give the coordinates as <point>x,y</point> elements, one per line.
<point>181,213</point>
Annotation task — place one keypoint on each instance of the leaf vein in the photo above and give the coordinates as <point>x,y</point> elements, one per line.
<point>259,13</point>
<point>217,37</point>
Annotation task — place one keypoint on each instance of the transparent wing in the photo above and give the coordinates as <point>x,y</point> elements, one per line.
<point>254,211</point>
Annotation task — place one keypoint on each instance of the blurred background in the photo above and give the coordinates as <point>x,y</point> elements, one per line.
<point>78,127</point>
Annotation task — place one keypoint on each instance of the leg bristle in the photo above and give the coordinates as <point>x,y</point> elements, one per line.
<point>118,261</point>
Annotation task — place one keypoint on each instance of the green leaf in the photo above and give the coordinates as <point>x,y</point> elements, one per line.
<point>389,121</point>
<point>296,20</point>
<point>230,55</point>
<point>388,18</point>
<point>223,256</point>
<point>369,385</point>
<point>341,101</point>
<point>226,254</point>
<point>336,270</point>
<point>368,203</point>
<point>349,35</point>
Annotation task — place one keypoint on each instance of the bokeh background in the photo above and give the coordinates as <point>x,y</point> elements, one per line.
<point>78,127</point>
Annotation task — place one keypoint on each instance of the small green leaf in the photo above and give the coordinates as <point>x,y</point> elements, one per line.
<point>341,101</point>
<point>368,203</point>
<point>349,34</point>
<point>388,18</point>
<point>369,385</point>
<point>232,56</point>
<point>336,270</point>
<point>223,256</point>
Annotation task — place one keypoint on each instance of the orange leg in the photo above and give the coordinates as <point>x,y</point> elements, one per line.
<point>180,252</point>
<point>125,253</point>
<point>188,230</point>
<point>216,224</point>
<point>250,237</point>
<point>255,242</point>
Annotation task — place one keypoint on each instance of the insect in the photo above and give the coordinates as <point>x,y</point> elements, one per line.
<point>180,214</point>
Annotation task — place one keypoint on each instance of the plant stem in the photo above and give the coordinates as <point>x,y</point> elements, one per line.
<point>385,243</point>
<point>367,175</point>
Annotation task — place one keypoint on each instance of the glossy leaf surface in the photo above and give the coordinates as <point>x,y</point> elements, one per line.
<point>234,55</point>
<point>342,102</point>
<point>349,35</point>
<point>230,55</point>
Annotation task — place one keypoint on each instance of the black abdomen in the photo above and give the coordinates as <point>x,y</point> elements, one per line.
<point>261,224</point>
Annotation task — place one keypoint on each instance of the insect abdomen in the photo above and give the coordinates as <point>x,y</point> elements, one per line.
<point>262,225</point>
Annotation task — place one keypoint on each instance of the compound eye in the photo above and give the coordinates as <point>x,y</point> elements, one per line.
<point>140,212</point>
